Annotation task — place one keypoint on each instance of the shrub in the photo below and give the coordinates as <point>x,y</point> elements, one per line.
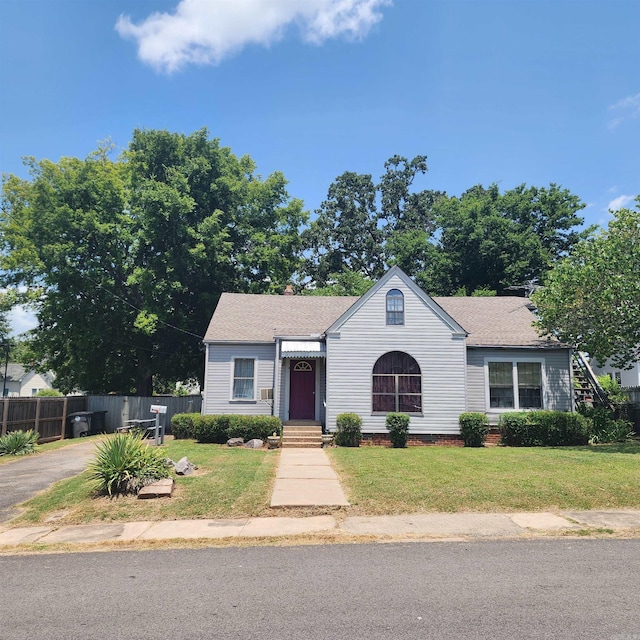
<point>474,428</point>
<point>603,425</point>
<point>398,426</point>
<point>217,429</point>
<point>182,425</point>
<point>249,427</point>
<point>514,429</point>
<point>349,433</point>
<point>543,428</point>
<point>49,393</point>
<point>124,464</point>
<point>211,429</point>
<point>614,431</point>
<point>19,443</point>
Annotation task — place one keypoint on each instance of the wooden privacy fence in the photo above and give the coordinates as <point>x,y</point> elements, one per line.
<point>47,416</point>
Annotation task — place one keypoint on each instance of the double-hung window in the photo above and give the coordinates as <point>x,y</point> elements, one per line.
<point>515,384</point>
<point>243,379</point>
<point>395,307</point>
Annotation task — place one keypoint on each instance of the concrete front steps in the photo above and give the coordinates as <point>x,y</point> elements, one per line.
<point>302,434</point>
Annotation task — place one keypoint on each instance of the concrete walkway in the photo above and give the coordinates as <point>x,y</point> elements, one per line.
<point>426,526</point>
<point>305,478</point>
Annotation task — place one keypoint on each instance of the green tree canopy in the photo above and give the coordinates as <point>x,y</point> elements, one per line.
<point>492,240</point>
<point>592,298</point>
<point>354,223</point>
<point>124,260</point>
<point>482,240</point>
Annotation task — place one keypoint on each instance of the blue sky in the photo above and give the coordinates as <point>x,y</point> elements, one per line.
<point>507,91</point>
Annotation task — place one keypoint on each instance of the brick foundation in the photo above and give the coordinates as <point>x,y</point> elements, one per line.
<point>417,440</point>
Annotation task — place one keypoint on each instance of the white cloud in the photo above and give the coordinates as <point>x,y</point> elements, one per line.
<point>626,109</point>
<point>620,202</point>
<point>206,31</point>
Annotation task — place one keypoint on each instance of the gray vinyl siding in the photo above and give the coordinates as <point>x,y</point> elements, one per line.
<point>219,376</point>
<point>557,366</point>
<point>365,336</point>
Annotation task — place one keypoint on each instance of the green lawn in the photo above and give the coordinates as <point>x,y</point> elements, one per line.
<point>230,483</point>
<point>235,482</point>
<point>422,479</point>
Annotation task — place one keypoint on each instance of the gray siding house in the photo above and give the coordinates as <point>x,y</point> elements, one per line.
<point>310,358</point>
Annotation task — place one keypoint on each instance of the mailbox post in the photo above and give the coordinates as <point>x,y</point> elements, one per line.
<point>158,409</point>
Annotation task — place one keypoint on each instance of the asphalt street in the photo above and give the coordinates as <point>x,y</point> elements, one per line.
<point>560,588</point>
<point>23,478</point>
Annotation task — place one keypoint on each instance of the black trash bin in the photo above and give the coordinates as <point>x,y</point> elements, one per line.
<point>86,423</point>
<point>97,422</point>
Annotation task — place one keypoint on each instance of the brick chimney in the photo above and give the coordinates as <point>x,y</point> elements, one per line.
<point>288,291</point>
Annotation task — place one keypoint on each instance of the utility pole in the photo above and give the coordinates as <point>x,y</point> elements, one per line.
<point>6,366</point>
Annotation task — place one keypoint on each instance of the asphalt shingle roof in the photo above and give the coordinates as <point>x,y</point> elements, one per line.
<point>258,318</point>
<point>494,321</point>
<point>502,321</point>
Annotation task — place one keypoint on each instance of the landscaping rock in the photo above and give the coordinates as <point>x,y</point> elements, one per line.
<point>256,443</point>
<point>235,442</point>
<point>159,489</point>
<point>184,467</point>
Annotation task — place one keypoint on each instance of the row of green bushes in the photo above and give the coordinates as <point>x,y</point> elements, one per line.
<point>349,429</point>
<point>546,428</point>
<point>517,428</point>
<point>219,428</point>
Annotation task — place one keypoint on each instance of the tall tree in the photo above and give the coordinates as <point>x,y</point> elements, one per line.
<point>359,216</point>
<point>592,298</point>
<point>482,240</point>
<point>125,259</point>
<point>492,240</point>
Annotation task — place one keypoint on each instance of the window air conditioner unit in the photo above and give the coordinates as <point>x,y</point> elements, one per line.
<point>266,394</point>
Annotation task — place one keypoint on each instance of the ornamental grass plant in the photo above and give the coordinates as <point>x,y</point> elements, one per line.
<point>19,443</point>
<point>124,464</point>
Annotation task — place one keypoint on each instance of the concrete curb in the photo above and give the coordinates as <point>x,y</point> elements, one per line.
<point>434,525</point>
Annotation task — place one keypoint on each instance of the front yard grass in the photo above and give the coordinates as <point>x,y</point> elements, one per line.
<point>236,483</point>
<point>501,479</point>
<point>229,483</point>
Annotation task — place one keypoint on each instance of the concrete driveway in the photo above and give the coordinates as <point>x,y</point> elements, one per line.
<point>23,478</point>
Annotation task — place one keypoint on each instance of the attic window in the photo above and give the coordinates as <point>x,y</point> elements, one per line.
<point>395,307</point>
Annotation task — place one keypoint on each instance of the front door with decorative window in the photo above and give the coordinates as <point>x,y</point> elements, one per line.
<point>302,390</point>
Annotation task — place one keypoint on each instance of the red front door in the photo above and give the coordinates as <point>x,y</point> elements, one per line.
<point>302,390</point>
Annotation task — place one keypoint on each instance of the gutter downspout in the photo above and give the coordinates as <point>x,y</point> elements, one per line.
<point>276,376</point>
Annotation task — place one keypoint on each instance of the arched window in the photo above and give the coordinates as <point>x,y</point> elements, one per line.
<point>395,307</point>
<point>397,384</point>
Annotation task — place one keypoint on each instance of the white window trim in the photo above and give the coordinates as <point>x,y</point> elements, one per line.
<point>233,375</point>
<point>514,373</point>
<point>386,311</point>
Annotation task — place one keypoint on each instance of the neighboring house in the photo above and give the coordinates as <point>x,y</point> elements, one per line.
<point>624,377</point>
<point>21,381</point>
<point>393,349</point>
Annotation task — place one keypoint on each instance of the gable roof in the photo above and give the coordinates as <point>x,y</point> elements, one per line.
<point>260,318</point>
<point>489,322</point>
<point>15,372</point>
<point>397,272</point>
<point>502,321</point>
